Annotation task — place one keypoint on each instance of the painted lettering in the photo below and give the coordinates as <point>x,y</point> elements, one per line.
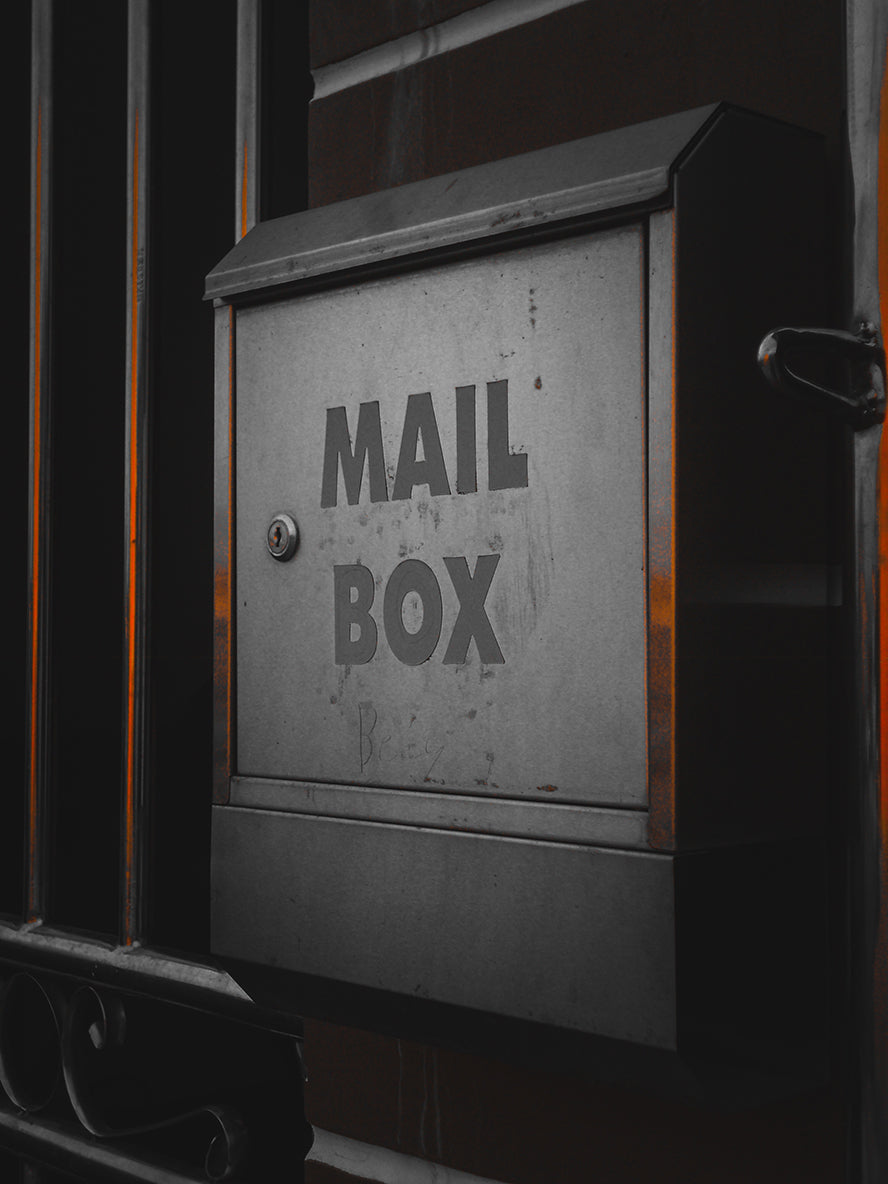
<point>505,469</point>
<point>353,591</point>
<point>412,576</point>
<point>338,453</point>
<point>420,455</point>
<point>472,619</point>
<point>419,420</point>
<point>420,463</point>
<point>466,463</point>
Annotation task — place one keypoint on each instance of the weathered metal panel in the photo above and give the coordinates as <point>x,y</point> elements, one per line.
<point>552,932</point>
<point>528,370</point>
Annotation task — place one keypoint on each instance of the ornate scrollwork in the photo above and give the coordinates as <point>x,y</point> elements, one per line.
<point>121,1060</point>
<point>111,1102</point>
<point>30,1042</point>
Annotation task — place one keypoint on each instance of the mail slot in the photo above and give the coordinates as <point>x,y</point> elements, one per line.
<point>523,587</point>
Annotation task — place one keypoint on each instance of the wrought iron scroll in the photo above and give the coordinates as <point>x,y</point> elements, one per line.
<point>127,1068</point>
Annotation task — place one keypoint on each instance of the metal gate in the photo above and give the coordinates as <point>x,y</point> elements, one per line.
<point>124,1054</point>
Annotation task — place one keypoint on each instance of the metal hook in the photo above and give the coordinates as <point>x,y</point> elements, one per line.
<point>864,403</point>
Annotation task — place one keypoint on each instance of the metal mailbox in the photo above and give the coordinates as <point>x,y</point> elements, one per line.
<point>521,585</point>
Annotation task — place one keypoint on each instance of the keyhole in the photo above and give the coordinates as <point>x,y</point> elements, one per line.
<point>281,537</point>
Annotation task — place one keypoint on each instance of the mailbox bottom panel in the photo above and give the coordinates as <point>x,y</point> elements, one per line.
<point>575,936</point>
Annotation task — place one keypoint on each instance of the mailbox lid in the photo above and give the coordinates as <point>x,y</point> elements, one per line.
<point>610,172</point>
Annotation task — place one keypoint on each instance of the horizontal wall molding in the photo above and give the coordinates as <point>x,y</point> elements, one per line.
<point>465,29</point>
<point>364,1161</point>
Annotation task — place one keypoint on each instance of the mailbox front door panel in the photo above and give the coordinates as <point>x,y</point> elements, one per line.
<point>462,449</point>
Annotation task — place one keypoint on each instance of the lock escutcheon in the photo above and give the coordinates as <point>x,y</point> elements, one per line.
<point>282,537</point>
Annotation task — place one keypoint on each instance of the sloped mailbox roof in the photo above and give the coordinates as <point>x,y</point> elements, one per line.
<point>628,167</point>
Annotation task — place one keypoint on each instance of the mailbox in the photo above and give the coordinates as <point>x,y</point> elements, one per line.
<point>522,587</point>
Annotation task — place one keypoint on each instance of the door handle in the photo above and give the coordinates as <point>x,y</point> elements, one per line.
<point>862,404</point>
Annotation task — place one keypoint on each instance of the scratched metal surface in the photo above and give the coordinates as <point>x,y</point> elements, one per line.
<point>562,717</point>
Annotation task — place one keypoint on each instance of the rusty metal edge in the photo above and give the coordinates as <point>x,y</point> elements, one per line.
<point>223,574</point>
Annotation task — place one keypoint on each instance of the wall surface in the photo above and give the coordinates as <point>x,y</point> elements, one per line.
<point>583,69</point>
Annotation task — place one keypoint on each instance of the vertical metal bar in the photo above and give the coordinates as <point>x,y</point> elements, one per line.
<point>867,921</point>
<point>867,60</point>
<point>246,215</point>
<point>135,803</point>
<point>40,402</point>
<point>247,115</point>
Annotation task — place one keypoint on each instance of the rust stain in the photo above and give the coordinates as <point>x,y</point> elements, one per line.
<point>503,218</point>
<point>222,604</point>
<point>661,685</point>
<point>33,901</point>
<point>547,788</point>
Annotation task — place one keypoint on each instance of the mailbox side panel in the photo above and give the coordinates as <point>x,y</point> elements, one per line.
<point>756,519</point>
